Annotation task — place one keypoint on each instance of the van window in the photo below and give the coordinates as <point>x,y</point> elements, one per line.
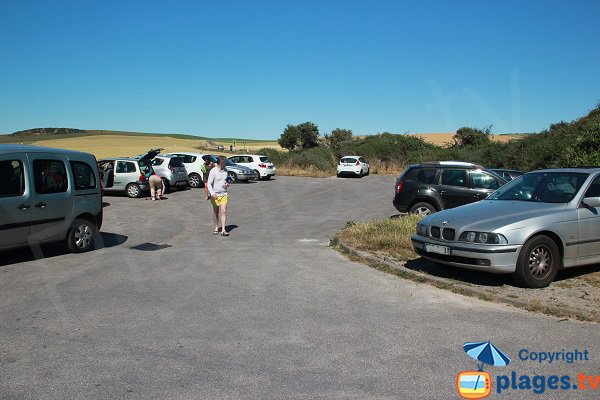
<point>50,176</point>
<point>11,178</point>
<point>124,167</point>
<point>84,175</point>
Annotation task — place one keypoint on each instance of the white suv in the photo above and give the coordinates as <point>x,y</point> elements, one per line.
<point>193,164</point>
<point>263,167</point>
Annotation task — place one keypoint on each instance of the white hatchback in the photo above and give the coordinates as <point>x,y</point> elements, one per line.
<point>353,166</point>
<point>263,167</point>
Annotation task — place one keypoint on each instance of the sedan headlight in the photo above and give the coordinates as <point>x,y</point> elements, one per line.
<point>482,237</point>
<point>421,230</point>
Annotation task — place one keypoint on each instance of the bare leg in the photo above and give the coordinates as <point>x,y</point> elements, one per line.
<point>216,217</point>
<point>224,217</point>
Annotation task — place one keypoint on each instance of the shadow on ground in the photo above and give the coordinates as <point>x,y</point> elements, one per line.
<point>26,254</point>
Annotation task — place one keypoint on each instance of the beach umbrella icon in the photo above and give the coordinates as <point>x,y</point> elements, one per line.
<point>486,353</point>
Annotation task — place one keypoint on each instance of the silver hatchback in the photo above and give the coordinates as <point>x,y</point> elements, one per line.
<point>533,226</point>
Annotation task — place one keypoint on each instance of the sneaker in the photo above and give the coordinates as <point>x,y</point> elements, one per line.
<point>154,199</point>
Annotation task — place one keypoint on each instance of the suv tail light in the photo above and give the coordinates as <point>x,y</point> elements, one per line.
<point>142,178</point>
<point>399,186</point>
<point>262,165</point>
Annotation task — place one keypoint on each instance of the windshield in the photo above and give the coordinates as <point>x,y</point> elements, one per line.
<point>545,187</point>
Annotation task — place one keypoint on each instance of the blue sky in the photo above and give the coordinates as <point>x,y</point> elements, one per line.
<point>249,68</point>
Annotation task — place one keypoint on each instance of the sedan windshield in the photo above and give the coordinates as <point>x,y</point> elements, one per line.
<point>544,187</point>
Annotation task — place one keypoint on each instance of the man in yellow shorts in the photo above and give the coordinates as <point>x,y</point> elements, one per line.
<point>217,186</point>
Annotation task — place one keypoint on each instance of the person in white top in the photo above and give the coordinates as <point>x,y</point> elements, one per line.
<point>218,183</point>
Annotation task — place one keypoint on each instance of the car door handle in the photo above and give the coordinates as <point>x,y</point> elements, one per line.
<point>41,204</point>
<point>23,207</point>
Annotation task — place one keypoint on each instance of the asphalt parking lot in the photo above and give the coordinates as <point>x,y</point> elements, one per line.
<point>165,310</point>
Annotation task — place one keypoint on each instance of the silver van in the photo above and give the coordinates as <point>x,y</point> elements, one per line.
<point>48,195</point>
<point>127,174</point>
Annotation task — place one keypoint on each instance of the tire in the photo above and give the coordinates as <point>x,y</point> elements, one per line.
<point>360,174</point>
<point>258,178</point>
<point>368,172</point>
<point>195,180</point>
<point>422,208</point>
<point>266,178</point>
<point>80,237</point>
<point>133,190</point>
<point>166,186</point>
<point>233,176</point>
<point>538,262</point>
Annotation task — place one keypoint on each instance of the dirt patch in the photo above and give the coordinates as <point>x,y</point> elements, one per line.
<point>574,294</point>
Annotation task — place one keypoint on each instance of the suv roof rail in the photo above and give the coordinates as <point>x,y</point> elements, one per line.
<point>452,163</point>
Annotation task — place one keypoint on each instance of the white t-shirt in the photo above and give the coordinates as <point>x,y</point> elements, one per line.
<point>216,181</point>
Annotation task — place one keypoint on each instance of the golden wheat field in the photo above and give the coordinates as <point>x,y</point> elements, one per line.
<point>127,146</point>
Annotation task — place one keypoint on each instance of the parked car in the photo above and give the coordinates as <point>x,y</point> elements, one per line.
<point>507,174</point>
<point>237,172</point>
<point>434,186</point>
<point>126,174</point>
<point>172,172</point>
<point>353,166</point>
<point>48,195</point>
<point>535,225</point>
<point>193,165</point>
<point>262,166</point>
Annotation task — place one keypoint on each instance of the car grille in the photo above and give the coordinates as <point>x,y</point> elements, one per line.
<point>443,233</point>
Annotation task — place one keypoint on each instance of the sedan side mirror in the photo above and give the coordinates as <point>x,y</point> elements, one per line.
<point>592,202</point>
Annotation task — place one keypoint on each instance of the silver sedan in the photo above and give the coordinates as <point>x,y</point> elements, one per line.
<point>532,227</point>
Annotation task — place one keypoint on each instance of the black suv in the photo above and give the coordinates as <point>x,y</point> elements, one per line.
<point>435,186</point>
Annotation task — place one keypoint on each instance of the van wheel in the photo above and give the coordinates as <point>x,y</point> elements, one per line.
<point>133,190</point>
<point>195,180</point>
<point>422,209</point>
<point>538,262</point>
<point>81,236</point>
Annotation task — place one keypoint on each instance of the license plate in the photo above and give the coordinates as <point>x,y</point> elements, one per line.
<point>434,248</point>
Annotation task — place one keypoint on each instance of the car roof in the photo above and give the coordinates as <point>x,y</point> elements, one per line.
<point>350,156</point>
<point>588,170</point>
<point>246,154</point>
<point>16,148</point>
<point>448,164</point>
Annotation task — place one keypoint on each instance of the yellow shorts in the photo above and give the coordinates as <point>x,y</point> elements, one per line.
<point>219,200</point>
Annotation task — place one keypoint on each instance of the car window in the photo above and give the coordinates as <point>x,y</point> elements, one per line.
<point>124,167</point>
<point>594,189</point>
<point>176,162</point>
<point>50,176</point>
<point>424,175</point>
<point>157,161</point>
<point>235,159</point>
<point>265,159</point>
<point>144,166</point>
<point>84,175</point>
<point>481,180</point>
<point>348,160</point>
<point>249,159</point>
<point>454,177</point>
<point>12,178</point>
<point>186,158</point>
<point>546,187</point>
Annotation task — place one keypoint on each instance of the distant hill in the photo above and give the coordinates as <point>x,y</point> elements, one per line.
<point>38,134</point>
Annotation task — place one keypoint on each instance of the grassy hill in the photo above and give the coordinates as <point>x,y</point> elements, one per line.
<point>104,143</point>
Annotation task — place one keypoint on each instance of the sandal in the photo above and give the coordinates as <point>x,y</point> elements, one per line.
<point>225,233</point>
<point>216,232</point>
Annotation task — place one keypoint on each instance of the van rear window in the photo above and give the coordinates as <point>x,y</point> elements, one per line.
<point>12,178</point>
<point>84,175</point>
